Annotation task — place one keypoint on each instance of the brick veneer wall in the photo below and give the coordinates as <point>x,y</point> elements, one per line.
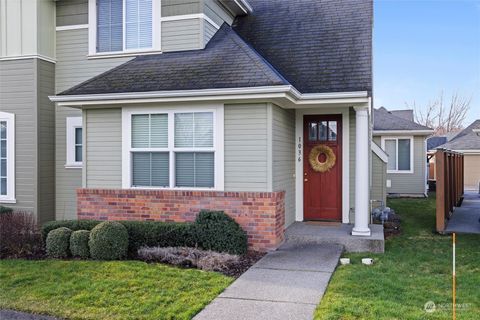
<point>260,214</point>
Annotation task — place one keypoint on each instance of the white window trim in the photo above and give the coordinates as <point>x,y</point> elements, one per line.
<point>411,152</point>
<point>92,32</point>
<point>218,146</point>
<point>10,119</point>
<point>72,124</point>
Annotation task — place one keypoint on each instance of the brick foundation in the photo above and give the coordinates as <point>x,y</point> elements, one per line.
<point>260,214</point>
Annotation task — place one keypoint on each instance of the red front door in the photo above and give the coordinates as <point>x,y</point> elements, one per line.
<point>322,186</point>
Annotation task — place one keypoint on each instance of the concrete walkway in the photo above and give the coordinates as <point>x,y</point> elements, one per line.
<point>465,219</point>
<point>285,284</point>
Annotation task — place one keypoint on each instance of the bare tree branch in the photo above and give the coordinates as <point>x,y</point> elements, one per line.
<point>441,117</point>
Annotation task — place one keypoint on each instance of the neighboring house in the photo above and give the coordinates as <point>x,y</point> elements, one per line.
<point>404,141</point>
<point>467,142</point>
<point>165,107</point>
<point>432,144</point>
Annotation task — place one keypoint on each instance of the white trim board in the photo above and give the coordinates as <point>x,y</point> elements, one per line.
<point>191,16</point>
<point>9,118</point>
<point>379,152</point>
<point>285,96</point>
<point>72,27</point>
<point>402,132</point>
<point>30,56</point>
<point>345,112</point>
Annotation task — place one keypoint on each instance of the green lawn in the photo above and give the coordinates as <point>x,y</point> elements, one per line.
<point>106,290</point>
<point>415,268</point>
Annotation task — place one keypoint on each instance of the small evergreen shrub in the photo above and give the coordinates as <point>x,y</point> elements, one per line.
<point>214,230</point>
<point>5,210</point>
<point>108,241</point>
<point>71,224</point>
<point>79,244</point>
<point>58,243</point>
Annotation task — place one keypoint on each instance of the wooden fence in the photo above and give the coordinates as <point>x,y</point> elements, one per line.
<point>449,175</point>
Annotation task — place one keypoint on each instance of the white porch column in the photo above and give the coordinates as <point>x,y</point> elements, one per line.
<point>362,166</point>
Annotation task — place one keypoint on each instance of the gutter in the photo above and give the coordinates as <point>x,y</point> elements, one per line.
<point>402,132</point>
<point>288,92</point>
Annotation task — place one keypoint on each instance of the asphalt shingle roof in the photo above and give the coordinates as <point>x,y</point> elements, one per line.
<point>315,45</point>
<point>466,139</point>
<point>386,120</point>
<point>434,142</point>
<point>227,62</point>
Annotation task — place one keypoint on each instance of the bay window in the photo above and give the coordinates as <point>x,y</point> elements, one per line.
<point>7,157</point>
<point>173,149</point>
<point>122,25</point>
<point>400,154</point>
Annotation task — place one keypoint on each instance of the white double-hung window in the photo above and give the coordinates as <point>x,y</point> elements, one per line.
<point>400,154</point>
<point>122,25</point>
<point>74,142</point>
<point>7,157</point>
<point>173,149</point>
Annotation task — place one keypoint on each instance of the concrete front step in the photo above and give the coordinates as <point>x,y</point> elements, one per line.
<point>308,233</point>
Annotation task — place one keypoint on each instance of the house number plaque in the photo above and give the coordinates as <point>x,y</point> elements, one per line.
<point>299,147</point>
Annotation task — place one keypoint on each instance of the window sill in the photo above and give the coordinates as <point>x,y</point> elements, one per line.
<point>122,54</point>
<point>175,189</point>
<point>10,201</point>
<point>400,171</point>
<point>73,166</point>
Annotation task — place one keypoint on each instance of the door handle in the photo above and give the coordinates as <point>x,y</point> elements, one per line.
<point>305,179</point>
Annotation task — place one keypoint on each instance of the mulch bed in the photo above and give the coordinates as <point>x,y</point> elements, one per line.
<point>246,261</point>
<point>391,227</point>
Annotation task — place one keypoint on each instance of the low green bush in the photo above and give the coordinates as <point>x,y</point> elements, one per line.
<point>58,243</point>
<point>140,233</point>
<point>5,210</point>
<point>214,230</point>
<point>79,244</point>
<point>108,241</point>
<point>71,224</point>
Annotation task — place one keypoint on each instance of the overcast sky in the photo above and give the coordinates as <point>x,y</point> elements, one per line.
<point>422,47</point>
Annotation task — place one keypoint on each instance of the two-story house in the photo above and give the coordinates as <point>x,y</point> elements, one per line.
<point>155,109</point>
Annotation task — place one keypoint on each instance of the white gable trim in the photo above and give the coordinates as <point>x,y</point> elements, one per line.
<point>379,152</point>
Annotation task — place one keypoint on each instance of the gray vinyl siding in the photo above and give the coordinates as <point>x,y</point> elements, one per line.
<point>217,12</point>
<point>67,180</point>
<point>182,35</point>
<point>246,147</point>
<point>72,12</point>
<point>379,176</point>
<point>24,89</point>
<point>103,148</point>
<point>410,183</point>
<point>73,65</point>
<point>18,95</point>
<point>180,7</point>
<point>46,140</point>
<point>283,159</point>
<point>72,68</point>
<point>208,32</point>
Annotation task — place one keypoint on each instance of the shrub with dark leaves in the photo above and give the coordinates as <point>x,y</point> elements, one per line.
<point>214,230</point>
<point>58,243</point>
<point>79,244</point>
<point>19,235</point>
<point>108,241</point>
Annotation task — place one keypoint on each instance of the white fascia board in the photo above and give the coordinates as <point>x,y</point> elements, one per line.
<point>287,92</point>
<point>402,132</point>
<point>472,151</point>
<point>379,152</point>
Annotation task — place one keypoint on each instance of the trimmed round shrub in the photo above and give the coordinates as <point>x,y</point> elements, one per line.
<point>58,243</point>
<point>108,241</point>
<point>216,231</point>
<point>79,244</point>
